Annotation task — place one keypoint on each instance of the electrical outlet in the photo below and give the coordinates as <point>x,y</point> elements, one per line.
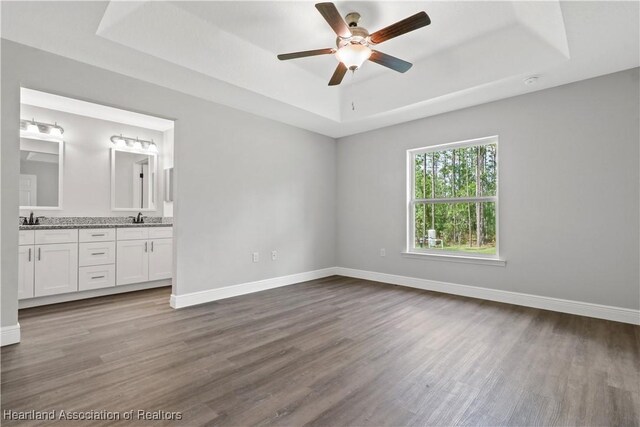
<point>274,255</point>
<point>383,252</point>
<point>256,256</point>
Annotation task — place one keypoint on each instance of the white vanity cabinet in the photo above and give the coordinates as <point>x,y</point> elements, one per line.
<point>47,262</point>
<point>57,261</point>
<point>56,269</point>
<point>133,261</point>
<point>160,259</point>
<point>97,258</point>
<point>144,254</point>
<point>26,271</point>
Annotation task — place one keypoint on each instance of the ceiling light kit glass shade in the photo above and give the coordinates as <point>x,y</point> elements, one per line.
<point>353,55</point>
<point>134,143</point>
<point>40,128</point>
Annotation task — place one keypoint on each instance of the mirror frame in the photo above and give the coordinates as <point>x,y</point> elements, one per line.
<point>153,197</point>
<point>60,172</point>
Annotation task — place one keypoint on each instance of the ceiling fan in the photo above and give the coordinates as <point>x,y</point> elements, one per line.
<point>354,44</point>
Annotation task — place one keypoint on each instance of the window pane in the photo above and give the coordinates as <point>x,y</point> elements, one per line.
<point>461,172</point>
<point>422,185</point>
<point>456,227</point>
<point>487,170</point>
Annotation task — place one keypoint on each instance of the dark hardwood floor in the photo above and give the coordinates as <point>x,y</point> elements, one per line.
<point>332,352</point>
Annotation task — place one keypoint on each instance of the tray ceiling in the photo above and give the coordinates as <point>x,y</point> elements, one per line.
<point>473,52</point>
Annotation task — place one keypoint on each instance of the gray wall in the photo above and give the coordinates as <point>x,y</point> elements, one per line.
<point>243,183</point>
<point>569,186</point>
<point>569,190</point>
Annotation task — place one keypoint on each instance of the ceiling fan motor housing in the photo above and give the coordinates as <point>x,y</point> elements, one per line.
<point>359,36</point>
<point>352,19</point>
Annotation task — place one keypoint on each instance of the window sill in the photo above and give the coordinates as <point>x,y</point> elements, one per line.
<point>499,262</point>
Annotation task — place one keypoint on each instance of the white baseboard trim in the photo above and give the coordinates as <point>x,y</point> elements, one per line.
<point>598,311</point>
<point>9,335</point>
<point>195,298</point>
<point>617,314</point>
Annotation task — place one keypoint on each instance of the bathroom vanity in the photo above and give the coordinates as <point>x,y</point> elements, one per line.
<point>63,259</point>
<point>85,183</point>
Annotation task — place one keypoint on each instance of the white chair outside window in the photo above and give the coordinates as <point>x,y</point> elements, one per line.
<point>432,241</point>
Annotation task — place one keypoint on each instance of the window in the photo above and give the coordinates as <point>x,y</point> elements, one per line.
<point>453,199</point>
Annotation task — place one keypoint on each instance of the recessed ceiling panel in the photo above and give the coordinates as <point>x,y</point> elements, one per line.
<point>473,52</point>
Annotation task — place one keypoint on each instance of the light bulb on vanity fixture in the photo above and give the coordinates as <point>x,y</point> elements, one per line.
<point>137,145</point>
<point>56,130</point>
<point>33,127</point>
<point>152,147</point>
<point>119,141</point>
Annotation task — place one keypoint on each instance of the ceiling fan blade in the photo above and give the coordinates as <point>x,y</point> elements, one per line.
<point>332,16</point>
<point>419,20</point>
<point>338,74</point>
<point>389,61</point>
<point>294,55</point>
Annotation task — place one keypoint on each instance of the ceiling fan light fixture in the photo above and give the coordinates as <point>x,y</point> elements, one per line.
<point>354,42</point>
<point>353,55</point>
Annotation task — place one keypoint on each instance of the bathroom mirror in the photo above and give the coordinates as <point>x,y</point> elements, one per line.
<point>133,180</point>
<point>41,172</point>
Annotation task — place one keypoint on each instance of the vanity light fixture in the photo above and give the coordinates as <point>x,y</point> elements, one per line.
<point>32,126</point>
<point>135,143</point>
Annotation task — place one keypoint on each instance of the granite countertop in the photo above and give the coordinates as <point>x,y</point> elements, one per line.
<point>70,226</point>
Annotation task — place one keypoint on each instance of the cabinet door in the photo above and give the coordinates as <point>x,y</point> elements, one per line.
<point>56,269</point>
<point>25,271</point>
<point>160,259</point>
<point>132,265</point>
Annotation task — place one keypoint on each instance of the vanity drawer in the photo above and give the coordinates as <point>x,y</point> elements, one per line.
<point>160,232</point>
<point>97,234</point>
<point>133,233</point>
<point>97,253</point>
<point>26,237</point>
<point>44,237</point>
<point>96,277</point>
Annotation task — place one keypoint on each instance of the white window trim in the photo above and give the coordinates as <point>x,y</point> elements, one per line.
<point>440,255</point>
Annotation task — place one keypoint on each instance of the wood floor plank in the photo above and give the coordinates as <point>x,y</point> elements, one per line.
<point>330,352</point>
